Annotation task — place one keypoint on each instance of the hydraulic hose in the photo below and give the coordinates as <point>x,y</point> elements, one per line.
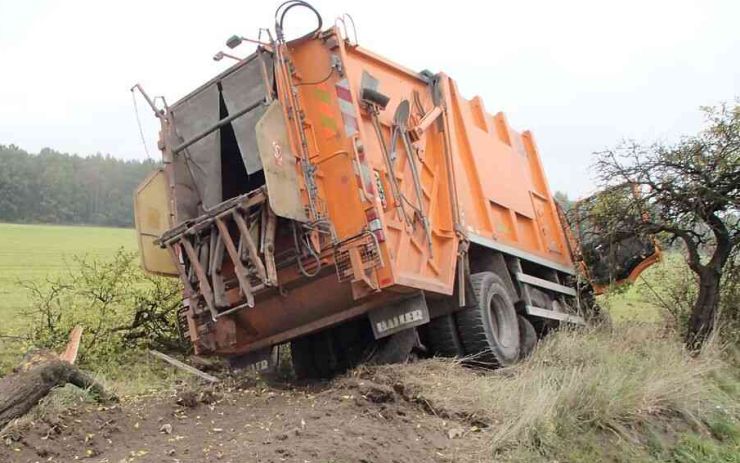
<point>282,11</point>
<point>299,254</point>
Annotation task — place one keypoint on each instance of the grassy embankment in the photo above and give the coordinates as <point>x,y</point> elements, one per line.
<point>627,394</point>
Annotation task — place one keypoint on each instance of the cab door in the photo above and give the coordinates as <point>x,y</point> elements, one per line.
<point>609,258</point>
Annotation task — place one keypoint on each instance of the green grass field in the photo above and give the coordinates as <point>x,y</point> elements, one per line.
<point>34,252</point>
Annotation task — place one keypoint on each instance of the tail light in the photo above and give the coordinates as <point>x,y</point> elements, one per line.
<point>374,224</point>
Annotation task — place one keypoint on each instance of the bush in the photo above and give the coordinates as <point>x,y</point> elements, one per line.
<point>673,288</point>
<point>729,306</point>
<point>119,306</point>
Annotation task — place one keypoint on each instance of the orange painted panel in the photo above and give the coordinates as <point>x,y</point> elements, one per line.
<point>473,168</point>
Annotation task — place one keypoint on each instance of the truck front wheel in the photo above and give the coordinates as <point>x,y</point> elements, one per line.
<point>489,330</point>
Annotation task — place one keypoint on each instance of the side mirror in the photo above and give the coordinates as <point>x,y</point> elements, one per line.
<point>234,41</point>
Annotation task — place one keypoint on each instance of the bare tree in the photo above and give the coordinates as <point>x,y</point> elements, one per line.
<point>689,192</point>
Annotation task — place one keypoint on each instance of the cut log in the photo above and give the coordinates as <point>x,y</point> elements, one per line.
<point>21,390</point>
<point>70,353</point>
<point>39,372</point>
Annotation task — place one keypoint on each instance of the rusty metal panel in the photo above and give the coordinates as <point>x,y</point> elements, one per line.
<point>239,90</point>
<point>151,216</point>
<point>199,166</point>
<point>279,164</point>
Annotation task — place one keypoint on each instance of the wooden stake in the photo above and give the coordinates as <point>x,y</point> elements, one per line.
<point>185,367</point>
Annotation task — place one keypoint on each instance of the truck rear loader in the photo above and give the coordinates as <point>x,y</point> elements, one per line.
<point>318,194</point>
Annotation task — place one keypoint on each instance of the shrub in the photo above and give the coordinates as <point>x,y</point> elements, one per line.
<point>672,287</point>
<point>119,306</point>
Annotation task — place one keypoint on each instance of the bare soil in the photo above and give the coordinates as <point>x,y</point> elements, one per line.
<point>358,418</point>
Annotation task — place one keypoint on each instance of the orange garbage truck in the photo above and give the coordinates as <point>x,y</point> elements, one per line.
<point>318,194</point>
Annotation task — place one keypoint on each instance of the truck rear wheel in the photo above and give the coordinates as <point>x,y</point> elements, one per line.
<point>336,349</point>
<point>396,348</point>
<point>542,326</point>
<point>490,329</point>
<point>443,338</point>
<point>527,337</point>
<point>355,344</point>
<point>313,356</point>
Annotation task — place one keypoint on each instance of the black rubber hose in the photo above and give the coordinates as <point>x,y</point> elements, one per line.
<point>282,11</point>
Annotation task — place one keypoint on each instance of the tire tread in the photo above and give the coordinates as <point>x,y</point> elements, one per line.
<point>443,337</point>
<point>473,325</point>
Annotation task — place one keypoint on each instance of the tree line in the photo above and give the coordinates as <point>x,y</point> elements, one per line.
<point>61,188</point>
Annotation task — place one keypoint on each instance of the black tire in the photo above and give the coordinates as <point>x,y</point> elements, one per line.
<point>542,326</point>
<point>355,344</point>
<point>301,356</point>
<point>337,349</point>
<point>443,338</point>
<point>490,330</point>
<point>540,299</point>
<point>396,348</point>
<point>527,337</point>
<point>352,341</point>
<point>312,356</point>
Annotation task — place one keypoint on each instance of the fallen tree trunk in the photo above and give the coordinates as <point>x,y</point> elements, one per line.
<point>21,390</point>
<point>39,373</point>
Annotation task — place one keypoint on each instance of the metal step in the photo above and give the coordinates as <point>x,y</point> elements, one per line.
<point>530,280</point>
<point>551,314</point>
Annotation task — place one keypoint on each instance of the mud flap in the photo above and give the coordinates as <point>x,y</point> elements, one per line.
<point>401,315</point>
<point>260,361</point>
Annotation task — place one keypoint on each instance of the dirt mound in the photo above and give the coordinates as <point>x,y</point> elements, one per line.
<point>359,418</point>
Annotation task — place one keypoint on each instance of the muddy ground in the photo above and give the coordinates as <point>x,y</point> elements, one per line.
<point>356,418</point>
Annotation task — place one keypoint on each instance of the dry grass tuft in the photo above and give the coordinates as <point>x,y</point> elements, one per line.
<point>605,381</point>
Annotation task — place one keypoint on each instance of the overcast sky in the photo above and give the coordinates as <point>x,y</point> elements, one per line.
<point>582,75</point>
